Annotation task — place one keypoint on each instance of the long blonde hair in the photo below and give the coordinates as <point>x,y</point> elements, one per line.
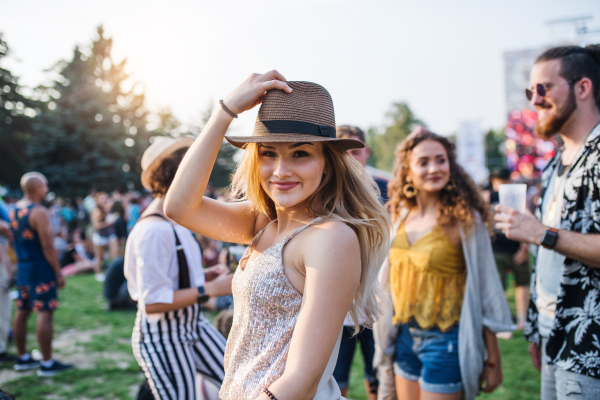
<point>348,194</point>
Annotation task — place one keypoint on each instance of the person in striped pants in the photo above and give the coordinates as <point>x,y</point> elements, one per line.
<point>172,341</point>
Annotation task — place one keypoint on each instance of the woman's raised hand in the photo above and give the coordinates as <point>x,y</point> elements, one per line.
<point>184,202</point>
<point>252,91</point>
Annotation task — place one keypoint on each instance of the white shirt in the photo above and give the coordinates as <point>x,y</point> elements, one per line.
<point>549,262</point>
<point>151,266</point>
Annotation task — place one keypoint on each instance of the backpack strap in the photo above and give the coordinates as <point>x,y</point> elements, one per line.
<point>184,270</point>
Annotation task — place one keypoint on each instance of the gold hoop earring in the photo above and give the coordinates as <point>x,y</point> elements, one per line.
<point>409,190</point>
<point>450,186</point>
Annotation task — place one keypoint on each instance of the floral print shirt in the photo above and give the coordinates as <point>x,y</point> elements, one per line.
<point>574,342</point>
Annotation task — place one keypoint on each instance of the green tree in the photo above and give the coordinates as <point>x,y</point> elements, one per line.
<point>92,131</point>
<point>220,176</point>
<point>383,143</point>
<point>494,154</point>
<point>16,116</point>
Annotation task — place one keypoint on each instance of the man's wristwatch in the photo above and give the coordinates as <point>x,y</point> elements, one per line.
<point>550,238</point>
<point>202,296</point>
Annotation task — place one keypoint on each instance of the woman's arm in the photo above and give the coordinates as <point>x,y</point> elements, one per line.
<point>181,298</point>
<point>97,224</point>
<point>185,204</point>
<point>4,229</point>
<point>38,219</point>
<point>219,286</point>
<point>332,276</point>
<point>153,255</point>
<point>492,370</point>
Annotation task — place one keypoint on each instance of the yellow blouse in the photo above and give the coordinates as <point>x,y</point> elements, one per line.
<point>427,279</point>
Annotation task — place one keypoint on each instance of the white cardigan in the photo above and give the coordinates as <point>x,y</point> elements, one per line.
<point>484,304</point>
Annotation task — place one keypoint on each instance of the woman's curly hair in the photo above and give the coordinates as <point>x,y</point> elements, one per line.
<point>459,200</point>
<point>162,177</point>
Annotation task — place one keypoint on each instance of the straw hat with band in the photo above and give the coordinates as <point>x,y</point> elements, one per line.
<point>162,148</point>
<point>304,115</point>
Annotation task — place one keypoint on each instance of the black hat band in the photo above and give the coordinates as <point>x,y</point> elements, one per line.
<point>282,126</point>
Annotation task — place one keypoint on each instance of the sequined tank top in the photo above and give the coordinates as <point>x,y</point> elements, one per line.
<point>266,310</point>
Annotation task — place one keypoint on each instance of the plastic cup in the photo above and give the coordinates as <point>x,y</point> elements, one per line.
<point>514,195</point>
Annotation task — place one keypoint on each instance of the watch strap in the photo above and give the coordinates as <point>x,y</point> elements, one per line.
<point>202,296</point>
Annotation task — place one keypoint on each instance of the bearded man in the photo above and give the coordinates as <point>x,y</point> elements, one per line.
<point>563,325</point>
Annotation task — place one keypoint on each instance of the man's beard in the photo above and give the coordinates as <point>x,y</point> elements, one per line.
<point>556,120</point>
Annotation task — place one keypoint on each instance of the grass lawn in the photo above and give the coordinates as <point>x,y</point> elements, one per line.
<point>98,343</point>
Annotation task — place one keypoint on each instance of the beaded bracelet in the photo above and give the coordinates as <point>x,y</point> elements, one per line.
<point>268,393</point>
<point>492,365</point>
<point>227,110</point>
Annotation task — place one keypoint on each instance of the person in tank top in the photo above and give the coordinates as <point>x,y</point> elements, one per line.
<point>104,236</point>
<point>448,301</point>
<point>38,276</point>
<point>316,231</point>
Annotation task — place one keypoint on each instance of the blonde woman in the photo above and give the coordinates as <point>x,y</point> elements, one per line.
<point>316,233</point>
<point>448,302</point>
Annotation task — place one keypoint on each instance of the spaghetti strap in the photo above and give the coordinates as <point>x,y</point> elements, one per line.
<point>250,247</point>
<point>286,240</point>
<point>258,235</point>
<point>297,231</point>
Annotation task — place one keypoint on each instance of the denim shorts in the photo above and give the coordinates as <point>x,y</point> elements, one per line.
<point>429,357</point>
<point>98,240</point>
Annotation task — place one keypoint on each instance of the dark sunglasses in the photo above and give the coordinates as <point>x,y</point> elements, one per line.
<point>541,88</point>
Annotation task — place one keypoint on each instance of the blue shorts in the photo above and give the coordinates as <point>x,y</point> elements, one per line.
<point>429,357</point>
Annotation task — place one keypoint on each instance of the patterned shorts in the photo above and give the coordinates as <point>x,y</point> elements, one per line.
<point>42,297</point>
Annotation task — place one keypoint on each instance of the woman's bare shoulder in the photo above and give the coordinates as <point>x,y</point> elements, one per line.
<point>332,232</point>
<point>332,247</point>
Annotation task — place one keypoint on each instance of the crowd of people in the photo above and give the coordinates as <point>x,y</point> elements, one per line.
<point>87,232</point>
<point>315,257</point>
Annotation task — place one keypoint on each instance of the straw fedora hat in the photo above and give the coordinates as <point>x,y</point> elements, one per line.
<point>162,148</point>
<point>305,115</point>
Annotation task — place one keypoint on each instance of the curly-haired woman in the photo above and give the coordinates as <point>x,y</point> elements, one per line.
<point>316,230</point>
<point>447,301</point>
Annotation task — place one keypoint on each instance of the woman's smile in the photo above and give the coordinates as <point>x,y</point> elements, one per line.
<point>290,172</point>
<point>284,185</point>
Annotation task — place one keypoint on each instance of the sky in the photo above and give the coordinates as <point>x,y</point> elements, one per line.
<point>444,58</point>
